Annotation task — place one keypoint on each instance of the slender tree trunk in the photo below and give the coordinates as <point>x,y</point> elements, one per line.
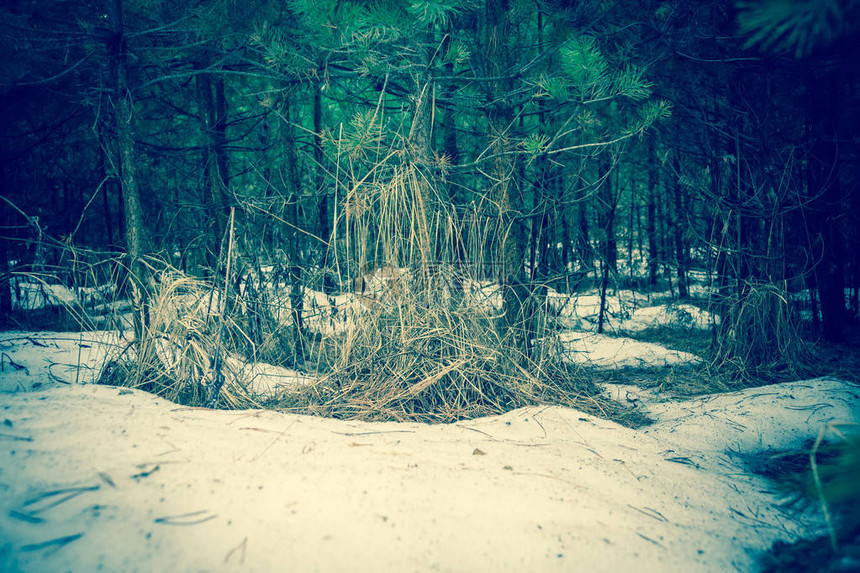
<point>450,145</point>
<point>5,282</point>
<point>566,247</point>
<point>583,238</point>
<point>664,234</point>
<point>544,196</point>
<point>651,225</point>
<point>535,226</point>
<point>114,228</point>
<point>213,108</point>
<point>680,226</point>
<point>421,150</point>
<point>5,271</point>
<point>292,234</point>
<point>719,238</point>
<point>631,227</point>
<point>606,214</point>
<point>323,216</point>
<point>547,238</point>
<point>106,193</point>
<point>515,288</point>
<point>538,252</point>
<point>609,259</point>
<point>604,286</point>
<point>137,242</point>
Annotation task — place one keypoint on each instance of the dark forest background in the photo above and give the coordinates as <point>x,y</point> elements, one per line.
<point>568,145</point>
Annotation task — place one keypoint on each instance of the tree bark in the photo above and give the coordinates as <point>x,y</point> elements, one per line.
<point>323,216</point>
<point>292,235</point>
<point>5,271</point>
<point>136,237</point>
<point>651,225</point>
<point>213,110</point>
<point>680,226</point>
<point>515,288</point>
<point>421,152</point>
<point>609,260</point>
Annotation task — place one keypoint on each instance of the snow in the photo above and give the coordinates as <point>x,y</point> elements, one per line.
<point>607,352</point>
<point>104,478</point>
<point>31,360</point>
<point>627,311</point>
<point>132,482</point>
<point>266,380</point>
<point>678,316</point>
<point>28,295</point>
<point>765,418</point>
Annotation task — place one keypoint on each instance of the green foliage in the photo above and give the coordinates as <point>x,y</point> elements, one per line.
<point>553,87</point>
<point>281,53</point>
<point>436,12</point>
<point>535,144</point>
<point>630,83</point>
<point>387,21</point>
<point>458,53</point>
<point>650,112</point>
<point>798,26</point>
<point>586,68</point>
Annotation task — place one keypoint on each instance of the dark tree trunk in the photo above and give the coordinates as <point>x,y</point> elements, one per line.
<point>450,145</point>
<point>213,109</point>
<point>107,186</point>
<point>663,237</point>
<point>5,271</point>
<point>547,239</point>
<point>5,282</point>
<point>651,224</point>
<point>421,149</point>
<point>566,247</point>
<point>583,238</point>
<point>631,225</point>
<point>137,242</point>
<point>681,223</point>
<point>609,260</point>
<point>292,235</point>
<point>516,290</point>
<point>323,216</point>
<point>604,286</point>
<point>606,213</point>
<point>535,227</point>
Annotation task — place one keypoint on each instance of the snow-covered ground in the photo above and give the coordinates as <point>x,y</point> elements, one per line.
<point>30,295</point>
<point>606,352</point>
<point>32,360</point>
<point>627,311</point>
<point>105,478</point>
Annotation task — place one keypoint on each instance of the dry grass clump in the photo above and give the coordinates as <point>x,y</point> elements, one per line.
<point>823,476</point>
<point>185,348</point>
<point>425,359</point>
<point>760,336</point>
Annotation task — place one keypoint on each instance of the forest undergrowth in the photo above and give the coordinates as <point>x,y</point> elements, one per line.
<point>409,347</point>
